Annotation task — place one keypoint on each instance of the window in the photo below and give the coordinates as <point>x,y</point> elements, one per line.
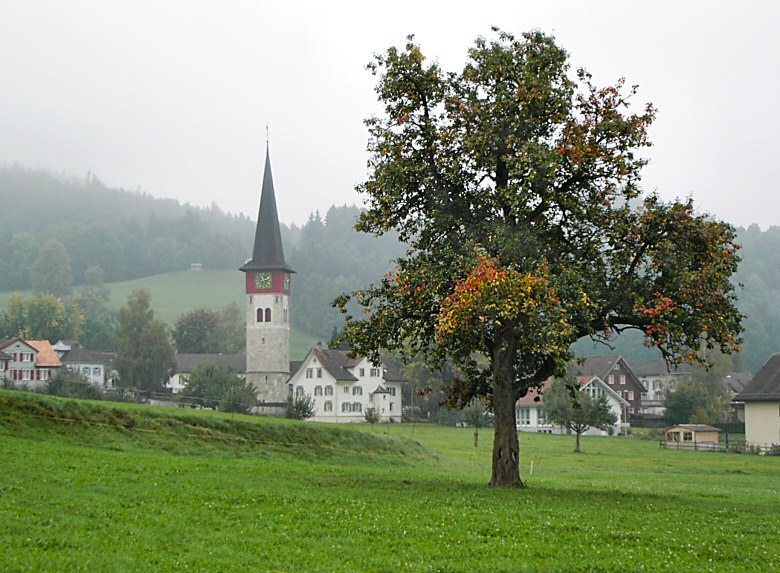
<point>259,315</point>
<point>346,389</point>
<point>318,390</point>
<point>44,374</point>
<point>346,407</point>
<point>27,356</point>
<point>96,371</point>
<point>268,315</point>
<point>362,372</point>
<point>616,367</point>
<point>310,373</point>
<point>85,370</point>
<point>524,416</point>
<point>541,417</point>
<point>319,372</point>
<point>391,390</point>
<point>391,406</point>
<point>687,436</point>
<point>357,407</point>
<point>357,390</point>
<point>26,374</point>
<point>286,315</point>
<point>610,379</point>
<point>299,390</point>
<point>328,406</point>
<point>630,395</point>
<point>329,390</point>
<point>375,373</point>
<point>622,378</point>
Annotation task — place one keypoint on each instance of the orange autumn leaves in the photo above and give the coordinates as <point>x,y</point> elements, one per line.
<point>493,297</point>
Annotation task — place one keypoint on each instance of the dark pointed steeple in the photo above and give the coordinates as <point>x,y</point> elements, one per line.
<point>268,253</point>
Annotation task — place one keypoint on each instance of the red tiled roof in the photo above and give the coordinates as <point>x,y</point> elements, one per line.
<point>47,357</point>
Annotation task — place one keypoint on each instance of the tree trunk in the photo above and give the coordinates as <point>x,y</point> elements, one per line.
<point>577,442</point>
<point>506,448</point>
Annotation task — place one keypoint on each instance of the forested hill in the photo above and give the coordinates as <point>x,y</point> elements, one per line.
<point>130,235</point>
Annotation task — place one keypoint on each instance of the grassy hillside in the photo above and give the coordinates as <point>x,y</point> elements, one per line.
<point>176,293</point>
<point>97,487</point>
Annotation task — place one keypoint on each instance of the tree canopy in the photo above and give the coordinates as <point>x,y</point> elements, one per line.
<point>567,405</point>
<point>144,354</point>
<point>219,388</point>
<point>517,189</point>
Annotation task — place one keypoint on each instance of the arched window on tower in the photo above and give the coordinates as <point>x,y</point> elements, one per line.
<point>259,315</point>
<point>268,315</point>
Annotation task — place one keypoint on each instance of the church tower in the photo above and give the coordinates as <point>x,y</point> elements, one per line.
<point>268,302</point>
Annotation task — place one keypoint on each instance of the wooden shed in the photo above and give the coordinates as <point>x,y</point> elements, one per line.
<point>692,437</point>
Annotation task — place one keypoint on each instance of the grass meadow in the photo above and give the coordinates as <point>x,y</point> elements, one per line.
<point>111,487</point>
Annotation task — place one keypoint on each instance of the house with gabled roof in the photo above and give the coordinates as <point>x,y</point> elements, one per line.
<point>344,387</point>
<point>32,363</point>
<point>94,366</point>
<point>620,377</point>
<point>761,397</point>
<point>530,415</point>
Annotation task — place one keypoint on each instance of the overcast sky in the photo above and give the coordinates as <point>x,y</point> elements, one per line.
<point>172,98</point>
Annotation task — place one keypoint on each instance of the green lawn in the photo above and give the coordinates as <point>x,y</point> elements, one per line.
<point>131,488</point>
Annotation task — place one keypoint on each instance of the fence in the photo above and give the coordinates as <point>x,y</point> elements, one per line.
<point>731,447</point>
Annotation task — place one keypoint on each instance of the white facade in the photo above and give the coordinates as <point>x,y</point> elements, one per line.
<point>762,423</point>
<point>343,388</point>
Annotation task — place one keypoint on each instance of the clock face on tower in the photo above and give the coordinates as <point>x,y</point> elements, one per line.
<point>263,280</point>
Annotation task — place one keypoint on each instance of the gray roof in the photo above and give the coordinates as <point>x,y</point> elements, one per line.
<point>337,362</point>
<point>765,385</point>
<point>697,427</point>
<point>736,381</point>
<point>659,367</point>
<point>597,365</point>
<point>186,362</point>
<point>268,253</point>
<point>80,355</point>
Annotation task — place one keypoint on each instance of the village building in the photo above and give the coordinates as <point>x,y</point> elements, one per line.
<point>94,366</point>
<point>31,363</point>
<point>619,376</point>
<point>692,437</point>
<point>344,388</point>
<point>530,414</point>
<point>761,397</point>
<point>658,378</point>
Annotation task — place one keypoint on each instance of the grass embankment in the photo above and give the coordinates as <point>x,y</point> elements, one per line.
<point>170,490</point>
<point>173,294</point>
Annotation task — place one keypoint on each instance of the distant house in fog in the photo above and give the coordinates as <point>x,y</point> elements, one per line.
<point>762,405</point>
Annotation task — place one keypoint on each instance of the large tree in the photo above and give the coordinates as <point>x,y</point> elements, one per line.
<point>219,388</point>
<point>144,353</point>
<point>517,189</point>
<point>51,271</point>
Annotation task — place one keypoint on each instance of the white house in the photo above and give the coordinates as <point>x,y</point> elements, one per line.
<point>30,363</point>
<point>762,406</point>
<point>343,388</point>
<point>92,365</point>
<point>530,408</point>
<point>658,378</point>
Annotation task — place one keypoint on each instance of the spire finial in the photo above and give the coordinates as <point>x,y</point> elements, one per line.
<point>266,133</point>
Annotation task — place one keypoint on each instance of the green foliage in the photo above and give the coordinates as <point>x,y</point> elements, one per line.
<point>688,403</point>
<point>300,407</point>
<point>196,331</point>
<point>51,271</point>
<point>42,317</point>
<point>505,179</point>
<point>144,354</point>
<point>371,415</point>
<point>100,321</point>
<point>69,383</point>
<point>219,388</point>
<point>565,404</point>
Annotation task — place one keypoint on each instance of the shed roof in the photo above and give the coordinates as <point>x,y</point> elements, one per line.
<point>765,385</point>
<point>696,427</point>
